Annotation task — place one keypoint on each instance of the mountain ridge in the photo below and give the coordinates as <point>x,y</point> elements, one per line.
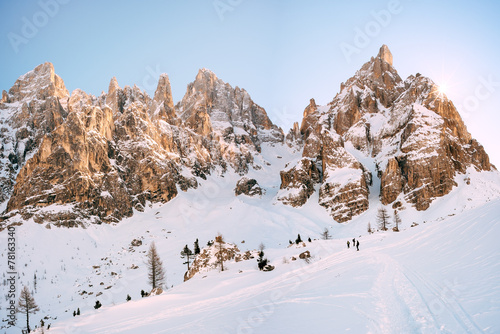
<point>413,134</point>
<point>106,156</point>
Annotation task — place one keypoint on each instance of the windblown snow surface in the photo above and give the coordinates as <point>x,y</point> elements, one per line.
<point>440,276</point>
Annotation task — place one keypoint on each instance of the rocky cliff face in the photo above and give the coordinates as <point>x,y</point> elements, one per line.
<point>213,108</point>
<point>405,133</point>
<point>32,108</point>
<point>105,156</point>
<point>100,158</point>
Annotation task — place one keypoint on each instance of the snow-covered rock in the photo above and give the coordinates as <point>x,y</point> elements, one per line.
<point>405,137</point>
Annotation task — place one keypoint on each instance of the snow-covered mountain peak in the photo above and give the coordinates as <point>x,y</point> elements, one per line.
<point>403,142</point>
<point>42,81</point>
<point>210,104</point>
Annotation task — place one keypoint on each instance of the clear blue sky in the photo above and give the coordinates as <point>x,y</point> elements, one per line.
<point>282,52</point>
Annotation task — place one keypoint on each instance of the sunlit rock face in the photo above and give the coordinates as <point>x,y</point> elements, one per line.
<point>406,133</point>
<point>102,157</point>
<point>99,158</point>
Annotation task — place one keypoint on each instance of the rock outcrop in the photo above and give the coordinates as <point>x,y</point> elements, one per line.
<point>102,157</point>
<point>212,107</point>
<point>248,187</point>
<point>404,132</point>
<point>210,258</point>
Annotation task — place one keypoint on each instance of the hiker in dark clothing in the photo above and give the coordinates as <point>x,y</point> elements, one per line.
<point>357,245</point>
<point>353,242</point>
<point>348,244</point>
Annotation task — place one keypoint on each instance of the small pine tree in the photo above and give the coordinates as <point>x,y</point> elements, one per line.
<point>78,311</point>
<point>142,293</point>
<point>369,228</point>
<point>298,240</point>
<point>261,261</point>
<point>383,219</point>
<point>290,241</point>
<point>326,234</point>
<point>309,239</point>
<point>74,313</point>
<point>129,298</point>
<point>27,305</point>
<point>186,253</point>
<point>97,304</point>
<point>397,221</point>
<point>196,248</point>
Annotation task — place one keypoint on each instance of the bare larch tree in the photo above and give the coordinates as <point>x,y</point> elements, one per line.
<point>27,305</point>
<point>156,273</point>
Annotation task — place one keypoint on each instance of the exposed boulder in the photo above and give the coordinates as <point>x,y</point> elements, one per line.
<point>247,186</point>
<point>305,255</point>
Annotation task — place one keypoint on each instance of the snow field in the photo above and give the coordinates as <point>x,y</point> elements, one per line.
<point>440,276</point>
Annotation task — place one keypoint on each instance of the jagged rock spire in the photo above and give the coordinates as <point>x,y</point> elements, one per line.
<point>385,54</point>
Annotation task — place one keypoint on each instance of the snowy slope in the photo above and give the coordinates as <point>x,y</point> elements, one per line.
<point>440,276</point>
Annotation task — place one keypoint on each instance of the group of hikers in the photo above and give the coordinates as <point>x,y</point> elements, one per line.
<point>355,243</point>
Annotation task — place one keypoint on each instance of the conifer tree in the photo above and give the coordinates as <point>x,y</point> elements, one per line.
<point>261,261</point>
<point>397,220</point>
<point>156,273</point>
<point>383,219</point>
<point>326,234</point>
<point>196,248</point>
<point>186,253</point>
<point>27,305</point>
<point>298,240</point>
